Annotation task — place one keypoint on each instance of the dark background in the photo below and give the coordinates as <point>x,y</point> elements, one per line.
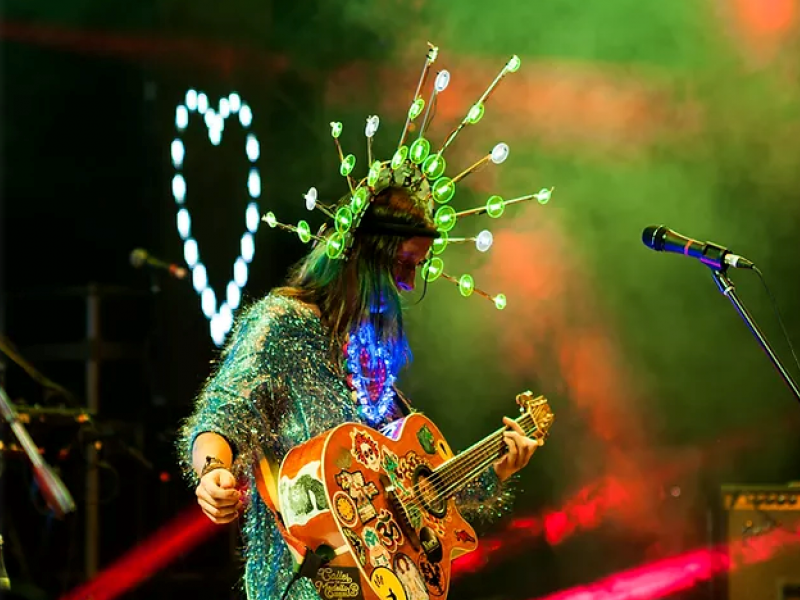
<point>644,361</point>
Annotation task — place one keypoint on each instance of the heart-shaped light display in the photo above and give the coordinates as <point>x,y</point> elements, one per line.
<point>220,316</point>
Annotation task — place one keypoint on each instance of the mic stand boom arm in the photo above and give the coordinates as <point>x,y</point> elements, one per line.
<point>53,489</point>
<point>727,288</point>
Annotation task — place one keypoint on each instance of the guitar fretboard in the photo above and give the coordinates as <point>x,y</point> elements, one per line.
<point>456,473</point>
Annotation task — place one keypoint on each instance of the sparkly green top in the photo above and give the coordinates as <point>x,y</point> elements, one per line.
<point>276,387</point>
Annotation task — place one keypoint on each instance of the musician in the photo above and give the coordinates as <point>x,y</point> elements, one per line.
<point>323,350</point>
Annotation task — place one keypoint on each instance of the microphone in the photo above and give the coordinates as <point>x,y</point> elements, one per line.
<point>662,239</point>
<point>142,258</point>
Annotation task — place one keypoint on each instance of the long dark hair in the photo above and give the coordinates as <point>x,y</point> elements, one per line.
<point>348,291</point>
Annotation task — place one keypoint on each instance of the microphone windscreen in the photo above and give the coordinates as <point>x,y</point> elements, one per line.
<point>653,237</point>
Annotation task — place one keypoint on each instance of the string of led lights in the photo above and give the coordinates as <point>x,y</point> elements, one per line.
<point>220,317</point>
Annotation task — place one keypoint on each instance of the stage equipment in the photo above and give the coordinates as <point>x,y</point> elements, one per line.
<point>753,512</point>
<point>53,489</point>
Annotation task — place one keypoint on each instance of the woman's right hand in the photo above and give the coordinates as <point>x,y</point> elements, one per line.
<point>218,497</point>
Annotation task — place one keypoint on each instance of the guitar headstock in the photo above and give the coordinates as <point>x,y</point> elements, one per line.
<point>540,413</point>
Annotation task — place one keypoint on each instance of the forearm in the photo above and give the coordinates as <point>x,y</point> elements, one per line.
<point>487,498</point>
<point>210,444</point>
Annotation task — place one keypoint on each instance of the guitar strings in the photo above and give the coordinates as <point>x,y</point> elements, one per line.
<point>452,477</point>
<point>465,462</point>
<point>447,482</point>
<point>449,477</point>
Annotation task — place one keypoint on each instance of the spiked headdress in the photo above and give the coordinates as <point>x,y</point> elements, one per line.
<point>421,171</point>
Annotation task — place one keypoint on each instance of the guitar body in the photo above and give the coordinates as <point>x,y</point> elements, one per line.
<point>379,506</point>
<point>366,496</point>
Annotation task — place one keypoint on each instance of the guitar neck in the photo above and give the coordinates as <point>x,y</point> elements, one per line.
<point>470,464</point>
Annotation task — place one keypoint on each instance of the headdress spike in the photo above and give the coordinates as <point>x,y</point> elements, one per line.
<point>372,127</point>
<point>311,198</point>
<point>483,241</point>
<point>466,285</point>
<point>346,163</point>
<point>302,229</point>
<point>498,155</point>
<point>440,84</point>
<point>418,103</point>
<point>495,205</point>
<point>476,110</point>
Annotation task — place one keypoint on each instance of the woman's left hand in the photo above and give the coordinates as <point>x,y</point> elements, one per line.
<point>520,450</point>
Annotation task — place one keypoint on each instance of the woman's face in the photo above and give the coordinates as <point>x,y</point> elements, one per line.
<point>410,255</point>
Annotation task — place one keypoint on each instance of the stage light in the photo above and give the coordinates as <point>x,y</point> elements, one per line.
<point>220,316</point>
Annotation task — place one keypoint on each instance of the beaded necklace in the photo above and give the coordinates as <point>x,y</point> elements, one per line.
<point>371,374</point>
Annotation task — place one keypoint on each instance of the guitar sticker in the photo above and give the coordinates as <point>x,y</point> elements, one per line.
<point>390,464</point>
<point>410,577</point>
<point>464,537</point>
<point>378,555</point>
<point>344,460</point>
<point>387,585</point>
<point>425,439</point>
<point>365,450</point>
<point>389,531</point>
<point>433,575</point>
<point>360,491</point>
<point>303,497</point>
<point>408,463</point>
<point>437,524</point>
<point>357,545</point>
<point>431,545</point>
<point>345,509</point>
<point>392,430</point>
<point>335,583</point>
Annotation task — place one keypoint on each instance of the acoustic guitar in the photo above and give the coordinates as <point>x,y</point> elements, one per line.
<point>380,507</point>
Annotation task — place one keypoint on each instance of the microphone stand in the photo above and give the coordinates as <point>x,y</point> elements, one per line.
<point>727,288</point>
<point>53,489</point>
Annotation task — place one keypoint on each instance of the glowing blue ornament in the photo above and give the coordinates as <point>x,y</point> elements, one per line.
<point>371,365</point>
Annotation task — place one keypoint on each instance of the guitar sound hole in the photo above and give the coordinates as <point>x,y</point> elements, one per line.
<point>428,492</point>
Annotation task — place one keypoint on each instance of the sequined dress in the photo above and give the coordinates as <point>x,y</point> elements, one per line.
<point>276,386</point>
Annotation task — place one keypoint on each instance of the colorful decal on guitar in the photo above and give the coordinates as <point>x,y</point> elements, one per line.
<point>357,544</point>
<point>387,585</point>
<point>390,463</point>
<point>391,535</point>
<point>414,513</point>
<point>344,460</point>
<point>365,450</point>
<point>378,555</point>
<point>408,463</point>
<point>345,508</point>
<point>433,575</point>
<point>410,577</point>
<point>338,583</point>
<point>303,497</point>
<point>437,524</point>
<point>464,537</point>
<point>431,545</point>
<point>392,430</point>
<point>425,439</point>
<point>444,450</point>
<point>360,491</point>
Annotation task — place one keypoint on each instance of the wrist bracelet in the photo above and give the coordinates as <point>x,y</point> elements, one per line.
<point>212,463</point>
